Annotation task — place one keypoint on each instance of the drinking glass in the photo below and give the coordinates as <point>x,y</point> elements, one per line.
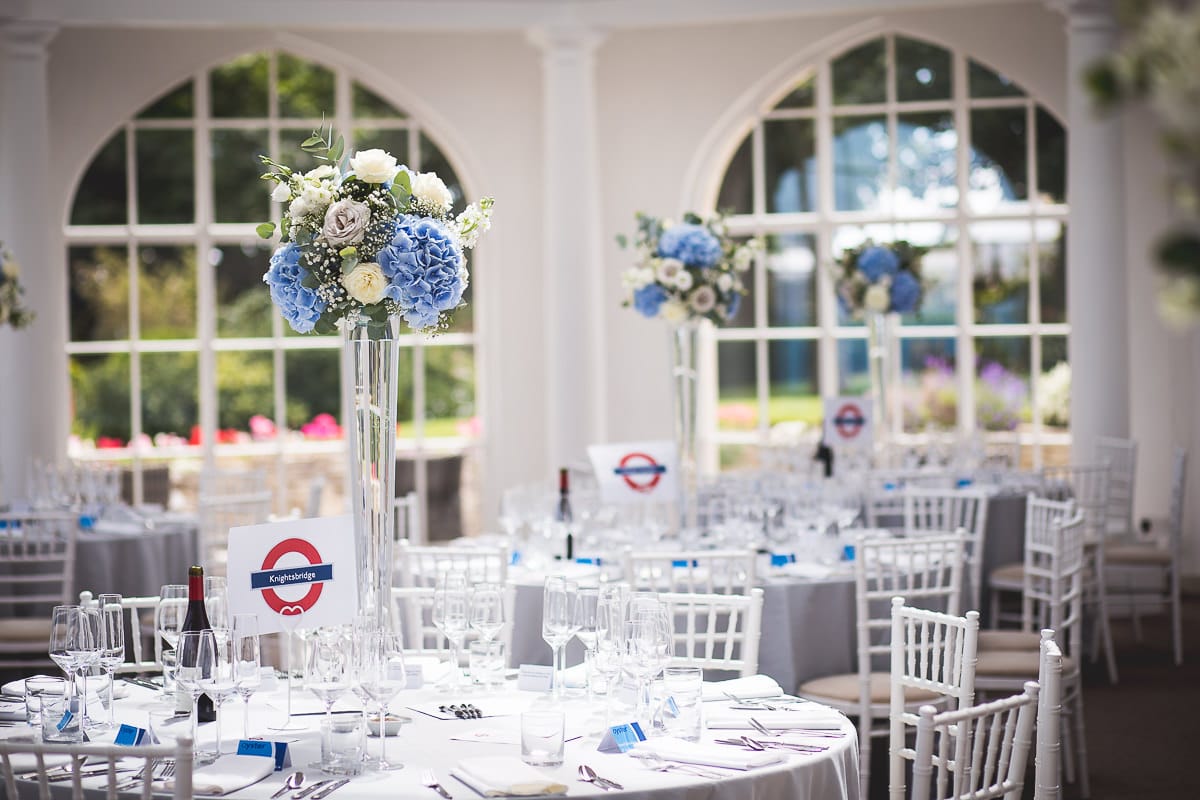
<point>487,611</point>
<point>112,639</point>
<point>328,672</point>
<point>289,622</point>
<point>380,674</point>
<point>216,604</point>
<point>189,671</point>
<point>647,644</point>
<point>63,627</point>
<point>587,606</point>
<point>168,621</point>
<point>451,615</point>
<point>84,646</point>
<point>542,737</point>
<point>247,662</point>
<point>558,622</point>
<point>216,674</point>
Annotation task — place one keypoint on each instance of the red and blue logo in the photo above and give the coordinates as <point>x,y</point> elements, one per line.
<point>314,575</point>
<point>640,472</point>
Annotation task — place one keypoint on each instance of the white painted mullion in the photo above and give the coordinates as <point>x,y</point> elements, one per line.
<point>965,310</point>
<point>892,126</point>
<point>206,314</point>
<point>827,347</point>
<point>1035,286</point>
<point>135,328</point>
<point>278,359</point>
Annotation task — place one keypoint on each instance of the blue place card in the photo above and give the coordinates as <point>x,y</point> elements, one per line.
<point>131,736</point>
<point>848,553</point>
<point>782,559</point>
<point>683,562</point>
<point>276,750</point>
<point>65,721</point>
<point>962,483</point>
<point>514,558</point>
<point>621,738</point>
<point>597,561</point>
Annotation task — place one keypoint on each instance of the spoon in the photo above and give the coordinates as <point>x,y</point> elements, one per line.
<point>293,782</point>
<point>588,775</point>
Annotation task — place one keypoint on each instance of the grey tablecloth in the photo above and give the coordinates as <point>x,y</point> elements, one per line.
<point>135,564</point>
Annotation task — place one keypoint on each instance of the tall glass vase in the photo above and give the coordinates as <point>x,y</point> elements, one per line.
<point>883,356</point>
<point>684,354</point>
<point>373,350</point>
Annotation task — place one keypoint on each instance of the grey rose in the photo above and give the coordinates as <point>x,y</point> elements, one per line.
<point>346,222</point>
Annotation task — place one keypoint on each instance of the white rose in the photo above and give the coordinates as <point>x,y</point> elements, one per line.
<point>684,280</point>
<point>346,222</point>
<point>321,172</point>
<point>674,311</point>
<point>703,299</point>
<point>634,278</point>
<point>877,298</point>
<point>668,268</point>
<point>725,282</point>
<point>281,193</point>
<point>429,190</point>
<point>743,259</point>
<point>373,166</point>
<point>365,283</point>
<point>12,270</point>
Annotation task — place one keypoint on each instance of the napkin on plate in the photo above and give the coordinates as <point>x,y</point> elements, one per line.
<point>228,774</point>
<point>750,687</point>
<point>14,690</point>
<point>27,762</point>
<point>505,776</point>
<point>709,755</point>
<point>815,718</point>
<point>12,710</point>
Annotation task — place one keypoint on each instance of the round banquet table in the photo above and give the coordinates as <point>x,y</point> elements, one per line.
<point>134,560</point>
<point>427,743</point>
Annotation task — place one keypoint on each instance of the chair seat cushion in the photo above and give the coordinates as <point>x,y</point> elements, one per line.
<point>1008,575</point>
<point>1009,640</point>
<point>1137,554</point>
<point>845,688</point>
<point>25,630</point>
<point>1013,664</point>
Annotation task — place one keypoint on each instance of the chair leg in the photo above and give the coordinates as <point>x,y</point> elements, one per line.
<point>1085,787</point>
<point>1176,617</point>
<point>1068,742</point>
<point>1105,627</point>
<point>864,755</point>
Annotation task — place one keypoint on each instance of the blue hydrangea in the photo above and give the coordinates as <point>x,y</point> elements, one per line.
<point>692,244</point>
<point>735,303</point>
<point>875,262</point>
<point>422,265</point>
<point>906,292</point>
<point>299,305</point>
<point>648,299</point>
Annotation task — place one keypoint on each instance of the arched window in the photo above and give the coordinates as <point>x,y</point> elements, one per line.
<point>177,356</point>
<point>899,138</point>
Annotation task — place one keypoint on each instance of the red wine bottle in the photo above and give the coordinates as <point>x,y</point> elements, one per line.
<point>197,620</point>
<point>563,513</point>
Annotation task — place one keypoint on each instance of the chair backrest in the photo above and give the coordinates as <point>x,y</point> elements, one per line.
<point>694,571</point>
<point>1053,585</point>
<point>1175,515</point>
<point>420,565</point>
<point>219,513</point>
<point>951,510</point>
<point>312,505</point>
<point>1047,784</point>
<point>412,609</point>
<point>1121,457</point>
<point>408,522</point>
<point>142,613</point>
<point>1088,484</point>
<point>991,747</point>
<point>931,652</point>
<point>37,573</point>
<point>20,756</point>
<point>716,631</point>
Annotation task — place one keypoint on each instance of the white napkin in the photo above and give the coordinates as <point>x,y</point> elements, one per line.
<point>228,774</point>
<point>119,528</point>
<point>750,687</point>
<point>14,690</point>
<point>12,710</point>
<point>27,762</point>
<point>817,718</point>
<point>711,755</point>
<point>505,776</point>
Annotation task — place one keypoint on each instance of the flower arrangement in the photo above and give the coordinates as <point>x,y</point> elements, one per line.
<point>12,312</point>
<point>689,270</point>
<point>879,278</point>
<point>367,237</point>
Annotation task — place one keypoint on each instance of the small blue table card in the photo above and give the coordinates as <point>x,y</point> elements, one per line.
<point>621,738</point>
<point>132,736</point>
<point>782,559</point>
<point>276,750</point>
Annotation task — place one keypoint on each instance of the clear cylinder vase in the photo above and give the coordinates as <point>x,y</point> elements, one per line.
<point>883,356</point>
<point>373,353</point>
<point>684,379</point>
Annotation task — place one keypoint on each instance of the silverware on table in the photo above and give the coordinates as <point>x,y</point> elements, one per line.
<point>305,792</point>
<point>291,783</point>
<point>331,788</point>
<point>588,775</point>
<point>430,780</point>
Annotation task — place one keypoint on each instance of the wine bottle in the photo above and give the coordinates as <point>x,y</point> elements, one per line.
<point>563,513</point>
<point>824,454</point>
<point>196,620</point>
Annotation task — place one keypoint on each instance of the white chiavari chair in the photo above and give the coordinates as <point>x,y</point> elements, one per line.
<point>1047,757</point>
<point>1040,516</point>
<point>408,522</point>
<point>312,504</point>
<point>142,614</point>
<point>45,763</point>
<point>228,499</point>
<point>951,510</point>
<point>1121,457</point>
<point>694,571</point>
<point>37,570</point>
<point>716,631</point>
<point>412,609</point>
<point>420,565</point>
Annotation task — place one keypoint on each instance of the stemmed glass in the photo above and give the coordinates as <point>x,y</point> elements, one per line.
<point>216,604</point>
<point>189,671</point>
<point>289,621</point>
<point>328,670</point>
<point>487,611</point>
<point>451,612</point>
<point>112,642</point>
<point>247,662</point>
<point>380,675</point>
<point>64,627</point>
<point>85,647</point>
<point>558,622</point>
<point>168,621</point>
<point>587,601</point>
<point>647,644</point>
<point>610,646</point>
<point>216,673</point>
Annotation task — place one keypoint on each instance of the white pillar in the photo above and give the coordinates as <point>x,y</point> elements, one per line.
<point>33,365</point>
<point>572,267</point>
<point>1096,271</point>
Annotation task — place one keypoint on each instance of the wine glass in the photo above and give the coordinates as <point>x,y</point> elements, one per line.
<point>328,668</point>
<point>587,602</point>
<point>168,621</point>
<point>451,614</point>
<point>609,654</point>
<point>112,639</point>
<point>381,676</point>
<point>84,645</point>
<point>189,670</point>
<point>247,662</point>
<point>487,611</point>
<point>216,604</point>
<point>558,621</point>
<point>290,619</point>
<point>647,646</point>
<point>216,674</point>
<point>62,628</point>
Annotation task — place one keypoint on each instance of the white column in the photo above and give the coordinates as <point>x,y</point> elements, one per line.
<point>572,267</point>
<point>34,400</point>
<point>1096,272</point>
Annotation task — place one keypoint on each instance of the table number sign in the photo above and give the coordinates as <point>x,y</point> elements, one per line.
<point>276,750</point>
<point>535,678</point>
<point>294,567</point>
<point>636,472</point>
<point>621,738</point>
<point>848,422</point>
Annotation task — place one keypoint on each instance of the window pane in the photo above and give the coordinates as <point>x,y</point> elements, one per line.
<point>167,292</point>
<point>801,95</point>
<point>102,194</point>
<point>100,398</point>
<point>860,163</point>
<point>737,187</point>
<point>238,194</point>
<point>986,83</point>
<point>170,388</point>
<point>305,89</point>
<point>922,71</point>
<point>791,165</point>
<point>926,169</point>
<point>791,280</point>
<point>999,167</point>
<point>368,104</point>
<point>739,457</point>
<point>930,385</point>
<point>313,378</point>
<point>793,372</point>
<point>164,177</point>
<point>1052,269</point>
<point>175,104</point>
<point>245,389</point>
<point>1051,158</point>
<point>737,399</point>
<point>450,391</point>
<point>860,76</point>
<point>393,140</point>
<point>1002,384</point>
<point>243,300</point>
<point>939,271</point>
<point>854,377</point>
<point>98,285</point>
<point>1001,282</point>
<point>433,160</point>
<point>1054,384</point>
<point>239,88</point>
<point>290,152</point>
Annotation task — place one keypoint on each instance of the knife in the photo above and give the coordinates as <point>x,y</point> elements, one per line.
<point>330,789</point>
<point>608,783</point>
<point>305,792</point>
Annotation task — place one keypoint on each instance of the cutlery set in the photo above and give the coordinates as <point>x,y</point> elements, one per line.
<point>464,711</point>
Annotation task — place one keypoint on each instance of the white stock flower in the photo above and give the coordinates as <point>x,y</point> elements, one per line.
<point>703,299</point>
<point>634,278</point>
<point>365,283</point>
<point>668,268</point>
<point>724,282</point>
<point>674,311</point>
<point>373,166</point>
<point>877,298</point>
<point>429,190</point>
<point>12,270</point>
<point>281,192</point>
<point>743,258</point>
<point>312,200</point>
<point>346,222</point>
<point>684,280</point>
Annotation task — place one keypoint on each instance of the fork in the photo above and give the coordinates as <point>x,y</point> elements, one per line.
<point>430,780</point>
<point>658,764</point>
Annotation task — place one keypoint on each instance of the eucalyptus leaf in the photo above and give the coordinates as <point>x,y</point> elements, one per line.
<point>404,180</point>
<point>310,141</point>
<point>266,230</point>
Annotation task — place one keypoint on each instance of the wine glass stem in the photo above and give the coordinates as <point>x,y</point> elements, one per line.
<point>559,677</point>
<point>246,715</point>
<point>112,696</point>
<point>587,674</point>
<point>217,703</point>
<point>383,715</point>
<point>83,700</point>
<point>195,721</point>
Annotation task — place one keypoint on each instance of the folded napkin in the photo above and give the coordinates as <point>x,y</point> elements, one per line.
<point>505,776</point>
<point>27,762</point>
<point>750,687</point>
<point>228,774</point>
<point>12,710</point>
<point>816,718</point>
<point>120,528</point>
<point>14,690</point>
<point>709,755</point>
